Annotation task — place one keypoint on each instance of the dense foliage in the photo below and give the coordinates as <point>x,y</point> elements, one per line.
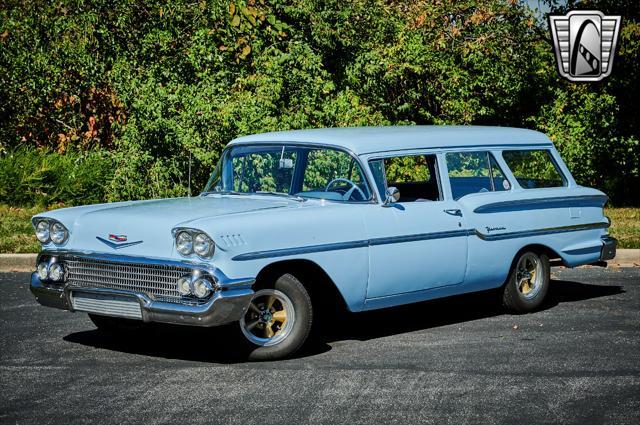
<point>28,177</point>
<point>153,83</point>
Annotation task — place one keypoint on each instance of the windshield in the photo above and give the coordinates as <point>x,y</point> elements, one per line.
<point>290,170</point>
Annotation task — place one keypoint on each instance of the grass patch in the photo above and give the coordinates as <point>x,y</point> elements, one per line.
<point>625,226</point>
<point>16,232</point>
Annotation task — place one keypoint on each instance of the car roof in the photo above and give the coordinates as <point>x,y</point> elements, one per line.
<point>366,140</point>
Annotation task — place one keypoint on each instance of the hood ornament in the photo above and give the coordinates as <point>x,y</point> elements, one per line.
<point>117,241</point>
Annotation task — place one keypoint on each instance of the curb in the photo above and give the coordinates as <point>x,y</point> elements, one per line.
<point>26,262</point>
<point>626,258</point>
<point>17,262</point>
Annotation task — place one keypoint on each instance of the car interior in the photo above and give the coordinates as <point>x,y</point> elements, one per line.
<point>415,191</point>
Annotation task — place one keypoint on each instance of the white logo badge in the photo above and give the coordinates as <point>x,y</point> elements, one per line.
<point>585,42</point>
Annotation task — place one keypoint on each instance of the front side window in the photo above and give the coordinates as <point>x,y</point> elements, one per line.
<point>333,173</point>
<point>534,168</point>
<point>474,172</point>
<point>415,176</point>
<point>311,172</point>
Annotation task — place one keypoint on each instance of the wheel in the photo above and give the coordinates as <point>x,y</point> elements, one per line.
<point>528,283</point>
<point>116,325</point>
<point>278,320</point>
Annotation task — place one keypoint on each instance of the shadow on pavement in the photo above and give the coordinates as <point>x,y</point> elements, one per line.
<point>225,345</point>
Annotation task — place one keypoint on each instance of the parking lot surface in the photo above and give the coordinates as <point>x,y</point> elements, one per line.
<point>458,360</point>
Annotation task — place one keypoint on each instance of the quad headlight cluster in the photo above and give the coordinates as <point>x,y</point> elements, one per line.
<point>192,241</point>
<point>49,230</point>
<point>50,270</point>
<point>195,285</point>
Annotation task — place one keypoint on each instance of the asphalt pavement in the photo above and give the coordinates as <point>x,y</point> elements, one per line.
<point>457,360</point>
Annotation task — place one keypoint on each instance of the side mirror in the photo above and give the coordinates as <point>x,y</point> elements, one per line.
<point>286,163</point>
<point>392,195</point>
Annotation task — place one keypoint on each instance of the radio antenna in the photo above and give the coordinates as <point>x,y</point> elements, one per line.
<point>189,174</point>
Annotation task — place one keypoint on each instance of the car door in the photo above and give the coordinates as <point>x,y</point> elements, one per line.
<point>420,242</point>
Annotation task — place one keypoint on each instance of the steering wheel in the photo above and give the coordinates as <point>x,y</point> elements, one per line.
<point>348,193</point>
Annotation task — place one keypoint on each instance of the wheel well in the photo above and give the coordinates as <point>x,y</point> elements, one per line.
<point>538,249</point>
<point>320,286</point>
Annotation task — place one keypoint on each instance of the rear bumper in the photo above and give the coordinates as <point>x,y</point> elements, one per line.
<point>608,251</point>
<point>224,306</point>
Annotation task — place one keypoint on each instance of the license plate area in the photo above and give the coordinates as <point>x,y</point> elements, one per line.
<point>106,305</point>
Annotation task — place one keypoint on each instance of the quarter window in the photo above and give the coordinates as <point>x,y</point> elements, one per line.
<point>474,172</point>
<point>534,168</point>
<point>416,177</point>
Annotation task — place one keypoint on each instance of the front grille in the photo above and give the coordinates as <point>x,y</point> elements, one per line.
<point>107,305</point>
<point>156,281</point>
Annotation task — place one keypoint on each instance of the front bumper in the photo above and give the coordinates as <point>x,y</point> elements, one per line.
<point>227,304</point>
<point>608,251</point>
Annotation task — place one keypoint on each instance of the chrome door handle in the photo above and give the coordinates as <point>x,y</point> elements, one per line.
<point>454,211</point>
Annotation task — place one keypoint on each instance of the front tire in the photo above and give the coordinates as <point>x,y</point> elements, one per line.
<point>528,283</point>
<point>278,320</point>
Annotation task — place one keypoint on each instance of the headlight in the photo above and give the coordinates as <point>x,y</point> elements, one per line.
<point>184,243</point>
<point>43,270</point>
<point>43,231</point>
<point>202,288</point>
<point>58,233</point>
<point>184,285</point>
<point>193,241</point>
<point>56,272</point>
<point>203,245</point>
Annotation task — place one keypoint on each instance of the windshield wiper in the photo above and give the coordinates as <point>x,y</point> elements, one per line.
<point>286,195</point>
<point>225,192</point>
<point>260,192</point>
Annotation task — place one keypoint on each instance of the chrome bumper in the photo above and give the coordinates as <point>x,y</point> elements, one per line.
<point>608,251</point>
<point>227,304</point>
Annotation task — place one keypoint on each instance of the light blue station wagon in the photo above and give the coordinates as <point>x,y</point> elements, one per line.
<point>293,223</point>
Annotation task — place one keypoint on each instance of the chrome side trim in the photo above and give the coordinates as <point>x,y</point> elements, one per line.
<point>413,238</point>
<point>544,203</point>
<point>540,232</point>
<point>349,245</point>
<point>284,252</point>
<point>583,251</point>
<point>419,237</point>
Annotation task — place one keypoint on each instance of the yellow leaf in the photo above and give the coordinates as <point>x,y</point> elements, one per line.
<point>232,8</point>
<point>235,21</point>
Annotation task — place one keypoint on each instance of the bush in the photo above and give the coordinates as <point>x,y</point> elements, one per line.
<point>40,177</point>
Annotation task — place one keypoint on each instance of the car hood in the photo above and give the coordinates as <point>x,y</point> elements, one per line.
<point>147,225</point>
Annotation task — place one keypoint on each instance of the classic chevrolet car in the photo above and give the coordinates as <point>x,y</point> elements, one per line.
<point>375,217</point>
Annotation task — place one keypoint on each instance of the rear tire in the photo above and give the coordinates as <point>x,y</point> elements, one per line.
<point>116,325</point>
<point>278,320</point>
<point>528,283</point>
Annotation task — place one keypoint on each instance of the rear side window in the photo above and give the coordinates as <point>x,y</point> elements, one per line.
<point>534,168</point>
<point>474,172</point>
